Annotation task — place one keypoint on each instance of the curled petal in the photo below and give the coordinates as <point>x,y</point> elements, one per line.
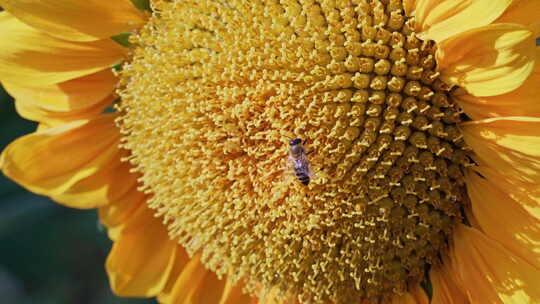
<point>142,257</point>
<point>439,20</point>
<point>115,216</point>
<point>488,61</point>
<point>76,94</point>
<point>36,112</point>
<point>522,101</point>
<point>77,164</point>
<point>144,262</point>
<point>52,60</point>
<point>196,284</point>
<point>225,292</point>
<point>179,266</point>
<point>77,20</point>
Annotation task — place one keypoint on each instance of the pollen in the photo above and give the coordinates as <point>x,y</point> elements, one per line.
<point>213,93</point>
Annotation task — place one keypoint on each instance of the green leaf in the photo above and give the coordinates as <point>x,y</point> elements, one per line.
<point>122,39</point>
<point>143,5</point>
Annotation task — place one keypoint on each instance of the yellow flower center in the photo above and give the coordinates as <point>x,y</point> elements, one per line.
<point>213,95</point>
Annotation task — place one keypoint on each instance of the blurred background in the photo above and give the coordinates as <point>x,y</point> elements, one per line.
<point>49,254</point>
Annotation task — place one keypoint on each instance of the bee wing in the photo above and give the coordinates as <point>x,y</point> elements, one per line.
<point>287,167</point>
<point>313,172</point>
<point>302,164</point>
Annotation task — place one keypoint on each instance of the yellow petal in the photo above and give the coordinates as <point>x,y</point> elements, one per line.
<point>180,263</point>
<point>190,282</point>
<point>115,216</point>
<point>439,20</point>
<point>527,194</point>
<point>490,60</point>
<point>445,289</point>
<point>77,20</point>
<point>223,292</point>
<point>75,94</point>
<point>535,27</point>
<point>518,231</point>
<point>524,12</point>
<point>36,112</point>
<point>524,101</point>
<point>197,289</point>
<point>210,290</point>
<point>510,145</point>
<point>409,7</point>
<point>419,294</point>
<point>196,284</point>
<point>24,61</point>
<point>77,164</point>
<point>142,257</point>
<point>415,296</point>
<point>233,294</point>
<point>490,273</point>
<point>41,127</point>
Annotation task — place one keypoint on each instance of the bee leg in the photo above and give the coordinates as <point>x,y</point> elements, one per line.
<point>304,144</point>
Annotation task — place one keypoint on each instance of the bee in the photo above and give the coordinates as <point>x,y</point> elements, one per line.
<point>299,162</point>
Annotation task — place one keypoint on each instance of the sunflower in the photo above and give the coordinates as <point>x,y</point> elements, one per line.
<point>421,122</point>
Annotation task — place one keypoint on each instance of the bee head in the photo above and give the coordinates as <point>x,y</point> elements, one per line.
<point>295,142</point>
